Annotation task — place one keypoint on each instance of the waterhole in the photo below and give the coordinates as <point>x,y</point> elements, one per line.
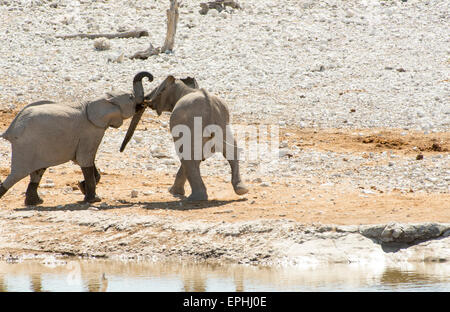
<point>107,275</point>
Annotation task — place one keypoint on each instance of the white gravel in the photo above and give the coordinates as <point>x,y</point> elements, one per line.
<point>286,59</point>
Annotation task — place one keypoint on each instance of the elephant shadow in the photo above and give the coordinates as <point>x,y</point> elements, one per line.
<point>169,205</point>
<point>74,207</point>
<point>182,205</point>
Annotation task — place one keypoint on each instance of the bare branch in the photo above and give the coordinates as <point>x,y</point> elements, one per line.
<point>172,20</point>
<point>128,34</point>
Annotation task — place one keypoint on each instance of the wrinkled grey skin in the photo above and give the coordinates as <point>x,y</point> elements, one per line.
<point>46,134</point>
<point>183,98</point>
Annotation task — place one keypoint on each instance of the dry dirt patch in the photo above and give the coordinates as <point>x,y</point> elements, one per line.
<point>326,205</point>
<point>368,140</point>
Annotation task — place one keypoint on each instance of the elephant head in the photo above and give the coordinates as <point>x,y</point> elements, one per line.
<point>111,111</point>
<point>162,98</point>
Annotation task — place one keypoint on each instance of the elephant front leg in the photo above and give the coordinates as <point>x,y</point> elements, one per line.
<point>82,184</point>
<point>178,186</point>
<point>31,195</point>
<point>90,184</point>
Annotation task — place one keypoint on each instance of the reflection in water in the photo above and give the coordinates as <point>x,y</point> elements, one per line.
<point>103,275</point>
<point>2,284</point>
<point>36,283</point>
<point>99,284</point>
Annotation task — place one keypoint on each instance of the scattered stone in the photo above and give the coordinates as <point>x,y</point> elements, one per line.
<point>118,59</point>
<point>102,44</point>
<point>47,185</point>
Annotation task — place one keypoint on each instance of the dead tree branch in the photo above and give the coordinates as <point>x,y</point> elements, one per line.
<point>172,20</point>
<point>128,34</point>
<point>143,55</point>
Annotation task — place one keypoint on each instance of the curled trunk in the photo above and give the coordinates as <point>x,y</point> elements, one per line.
<point>137,116</point>
<point>138,89</point>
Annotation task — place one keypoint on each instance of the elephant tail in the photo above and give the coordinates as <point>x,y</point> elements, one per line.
<point>207,99</point>
<point>5,136</point>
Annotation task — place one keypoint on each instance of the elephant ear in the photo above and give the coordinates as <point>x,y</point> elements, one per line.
<point>104,114</point>
<point>190,82</point>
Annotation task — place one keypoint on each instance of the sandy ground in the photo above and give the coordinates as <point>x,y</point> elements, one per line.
<point>294,220</point>
<point>327,204</point>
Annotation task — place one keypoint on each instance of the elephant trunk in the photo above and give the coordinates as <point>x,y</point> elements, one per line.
<point>139,98</point>
<point>133,124</point>
<point>138,89</point>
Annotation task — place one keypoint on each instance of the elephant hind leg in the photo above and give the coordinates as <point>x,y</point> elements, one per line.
<point>239,187</point>
<point>14,177</point>
<point>31,196</point>
<point>178,186</point>
<point>231,152</point>
<point>192,168</point>
<point>3,190</point>
<point>19,169</point>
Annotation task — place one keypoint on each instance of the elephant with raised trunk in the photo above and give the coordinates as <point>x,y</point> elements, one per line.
<point>46,134</point>
<point>189,104</point>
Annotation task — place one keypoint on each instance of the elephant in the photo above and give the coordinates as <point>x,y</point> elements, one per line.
<point>187,103</point>
<point>47,133</point>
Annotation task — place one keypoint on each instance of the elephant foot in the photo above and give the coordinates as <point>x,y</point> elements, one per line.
<point>81,187</point>
<point>177,191</point>
<point>33,200</point>
<point>3,190</point>
<point>240,188</point>
<point>93,199</point>
<point>198,196</point>
<point>31,195</point>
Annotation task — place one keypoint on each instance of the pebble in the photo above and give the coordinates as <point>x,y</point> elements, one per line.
<point>47,185</point>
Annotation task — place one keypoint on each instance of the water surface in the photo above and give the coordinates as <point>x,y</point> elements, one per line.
<point>107,275</point>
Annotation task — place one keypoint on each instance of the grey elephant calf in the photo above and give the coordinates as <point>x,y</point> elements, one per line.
<point>188,105</point>
<point>46,134</point>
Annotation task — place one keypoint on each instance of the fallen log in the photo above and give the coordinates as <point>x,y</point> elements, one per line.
<point>127,34</point>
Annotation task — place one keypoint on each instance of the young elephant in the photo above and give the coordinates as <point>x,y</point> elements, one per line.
<point>46,134</point>
<point>189,105</point>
